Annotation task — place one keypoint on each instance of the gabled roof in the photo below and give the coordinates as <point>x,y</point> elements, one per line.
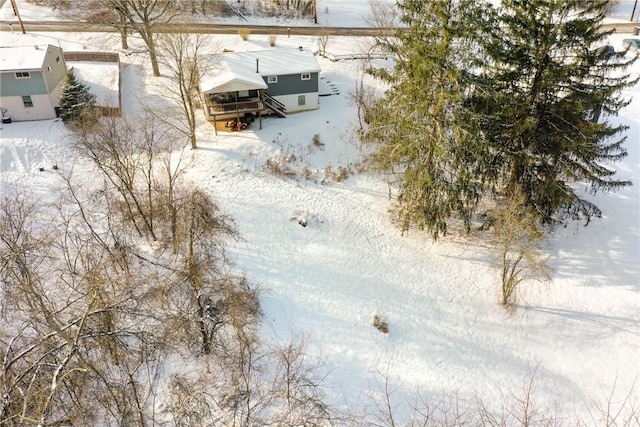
<point>228,81</point>
<point>233,71</point>
<point>23,58</point>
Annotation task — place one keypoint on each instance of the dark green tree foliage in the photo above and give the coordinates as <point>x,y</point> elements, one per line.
<point>425,136</point>
<point>543,79</point>
<point>77,104</point>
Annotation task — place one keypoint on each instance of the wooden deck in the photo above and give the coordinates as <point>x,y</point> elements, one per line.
<point>215,111</point>
<point>220,113</point>
<point>235,108</point>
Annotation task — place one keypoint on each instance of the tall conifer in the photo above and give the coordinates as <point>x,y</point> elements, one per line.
<point>544,82</point>
<point>424,135</point>
<point>76,102</point>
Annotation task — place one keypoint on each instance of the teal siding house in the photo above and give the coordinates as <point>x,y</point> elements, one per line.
<point>277,81</point>
<point>31,79</point>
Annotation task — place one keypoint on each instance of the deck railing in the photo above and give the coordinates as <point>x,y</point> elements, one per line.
<point>235,107</point>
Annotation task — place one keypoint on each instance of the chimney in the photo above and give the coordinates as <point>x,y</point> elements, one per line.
<point>257,65</point>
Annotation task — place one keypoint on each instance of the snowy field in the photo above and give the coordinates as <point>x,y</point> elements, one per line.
<point>580,333</point>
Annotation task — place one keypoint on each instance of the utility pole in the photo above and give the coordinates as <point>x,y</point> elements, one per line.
<point>633,12</point>
<point>17,13</point>
<point>315,11</point>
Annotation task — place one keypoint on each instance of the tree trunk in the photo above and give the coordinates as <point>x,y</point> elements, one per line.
<point>124,35</point>
<point>206,345</point>
<point>154,58</point>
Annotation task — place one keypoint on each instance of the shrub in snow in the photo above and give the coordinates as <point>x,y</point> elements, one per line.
<point>244,33</point>
<point>281,166</point>
<point>380,323</point>
<point>307,173</point>
<point>330,175</point>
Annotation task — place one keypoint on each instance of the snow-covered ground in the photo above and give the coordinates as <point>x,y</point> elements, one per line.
<point>580,333</point>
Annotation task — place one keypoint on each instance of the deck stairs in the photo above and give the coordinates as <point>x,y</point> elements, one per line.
<point>276,106</point>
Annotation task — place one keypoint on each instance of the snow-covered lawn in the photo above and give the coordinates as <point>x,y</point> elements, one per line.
<point>447,332</point>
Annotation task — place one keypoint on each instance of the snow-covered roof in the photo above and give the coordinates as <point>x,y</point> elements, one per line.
<point>16,58</point>
<point>233,71</point>
<point>223,80</point>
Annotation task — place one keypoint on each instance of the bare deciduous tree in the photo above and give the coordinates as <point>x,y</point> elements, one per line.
<point>69,301</point>
<point>323,39</point>
<point>138,163</point>
<point>182,57</point>
<point>384,16</point>
<point>614,411</point>
<point>518,236</point>
<point>363,97</point>
<point>140,16</point>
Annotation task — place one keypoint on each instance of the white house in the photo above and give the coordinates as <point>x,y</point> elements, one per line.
<point>31,79</point>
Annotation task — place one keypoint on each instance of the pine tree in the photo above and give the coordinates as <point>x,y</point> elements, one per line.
<point>543,80</point>
<point>77,104</point>
<point>424,134</point>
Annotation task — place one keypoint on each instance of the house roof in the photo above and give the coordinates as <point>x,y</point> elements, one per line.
<point>228,81</point>
<point>25,58</point>
<point>233,71</point>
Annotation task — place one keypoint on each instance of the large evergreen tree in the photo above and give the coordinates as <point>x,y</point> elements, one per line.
<point>543,80</point>
<point>77,104</point>
<point>426,137</point>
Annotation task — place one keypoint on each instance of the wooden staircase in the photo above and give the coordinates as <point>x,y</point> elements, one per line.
<point>276,106</point>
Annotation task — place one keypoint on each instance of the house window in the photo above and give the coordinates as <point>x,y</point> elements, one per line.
<point>272,79</point>
<point>27,101</point>
<point>57,59</point>
<point>305,76</point>
<point>23,75</point>
<point>49,68</point>
<point>301,100</point>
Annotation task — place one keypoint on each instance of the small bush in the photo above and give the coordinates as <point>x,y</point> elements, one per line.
<point>281,166</point>
<point>307,173</point>
<point>316,140</point>
<point>343,173</point>
<point>330,174</point>
<point>244,33</point>
<point>380,323</point>
<point>272,40</point>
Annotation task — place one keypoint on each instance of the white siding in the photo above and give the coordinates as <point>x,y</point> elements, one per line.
<point>54,97</point>
<point>41,110</point>
<point>291,102</point>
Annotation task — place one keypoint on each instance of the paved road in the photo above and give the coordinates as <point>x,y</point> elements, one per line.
<point>68,26</point>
